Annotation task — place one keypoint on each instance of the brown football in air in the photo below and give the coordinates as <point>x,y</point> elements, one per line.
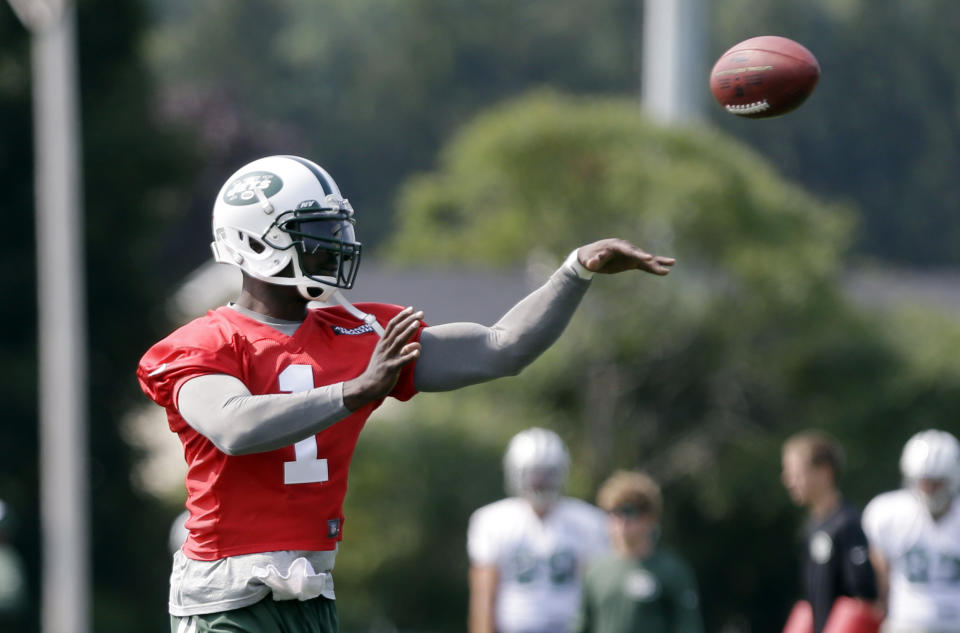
<point>764,77</point>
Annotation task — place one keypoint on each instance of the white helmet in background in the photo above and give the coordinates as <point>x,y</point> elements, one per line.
<point>283,220</point>
<point>535,467</point>
<point>932,455</point>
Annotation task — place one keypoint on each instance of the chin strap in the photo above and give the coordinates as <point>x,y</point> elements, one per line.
<point>937,502</point>
<point>329,294</point>
<point>314,293</point>
<point>369,319</point>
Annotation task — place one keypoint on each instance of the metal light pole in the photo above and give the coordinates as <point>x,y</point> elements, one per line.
<point>673,72</point>
<point>62,316</point>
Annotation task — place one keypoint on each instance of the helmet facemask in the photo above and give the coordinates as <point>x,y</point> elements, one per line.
<point>930,465</point>
<point>935,494</point>
<point>324,243</point>
<point>540,485</point>
<point>535,467</point>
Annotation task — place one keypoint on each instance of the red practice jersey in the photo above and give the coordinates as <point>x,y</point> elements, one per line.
<point>285,499</point>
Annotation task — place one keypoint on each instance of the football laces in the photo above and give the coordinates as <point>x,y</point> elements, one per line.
<point>749,108</point>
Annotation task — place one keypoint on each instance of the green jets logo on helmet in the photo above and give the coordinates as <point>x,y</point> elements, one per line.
<point>243,190</point>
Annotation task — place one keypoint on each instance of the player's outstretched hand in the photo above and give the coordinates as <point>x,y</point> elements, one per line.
<point>392,352</point>
<point>614,255</point>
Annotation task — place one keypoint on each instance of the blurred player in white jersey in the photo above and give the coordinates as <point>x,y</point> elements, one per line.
<point>914,536</point>
<point>528,551</point>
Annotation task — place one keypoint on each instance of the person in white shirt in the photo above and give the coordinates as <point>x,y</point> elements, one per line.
<point>914,536</point>
<point>528,551</point>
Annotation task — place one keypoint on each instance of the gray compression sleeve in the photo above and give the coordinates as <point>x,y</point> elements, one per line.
<point>221,408</point>
<point>455,355</point>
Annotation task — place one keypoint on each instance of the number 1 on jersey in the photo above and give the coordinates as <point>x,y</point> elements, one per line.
<point>306,468</point>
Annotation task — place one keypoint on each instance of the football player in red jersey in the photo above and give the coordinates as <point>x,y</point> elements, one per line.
<point>269,395</point>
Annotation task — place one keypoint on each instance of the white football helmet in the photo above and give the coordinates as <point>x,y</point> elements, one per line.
<point>283,220</point>
<point>932,455</point>
<point>535,466</point>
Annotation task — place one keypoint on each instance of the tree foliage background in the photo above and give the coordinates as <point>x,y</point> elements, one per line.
<point>373,87</point>
<point>697,377</point>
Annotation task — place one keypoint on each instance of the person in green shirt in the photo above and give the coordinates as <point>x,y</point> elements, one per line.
<point>640,586</point>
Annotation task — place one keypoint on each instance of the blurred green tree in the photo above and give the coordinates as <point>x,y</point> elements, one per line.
<point>371,88</point>
<point>697,377</point>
